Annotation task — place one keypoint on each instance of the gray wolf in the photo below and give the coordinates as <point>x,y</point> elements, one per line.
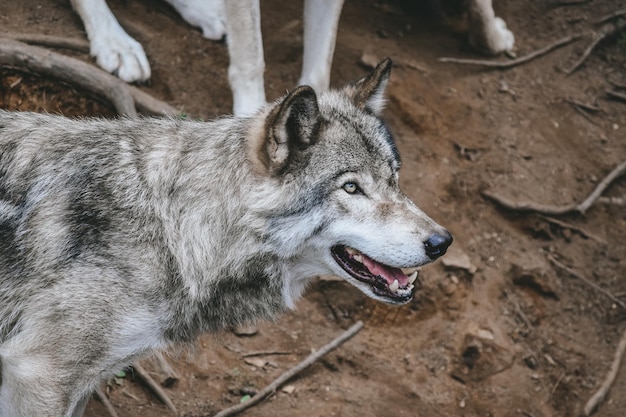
<point>122,237</point>
<point>240,20</point>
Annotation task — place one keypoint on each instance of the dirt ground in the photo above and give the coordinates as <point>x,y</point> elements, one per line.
<point>500,330</point>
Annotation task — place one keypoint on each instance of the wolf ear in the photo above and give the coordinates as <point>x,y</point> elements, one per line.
<point>368,93</point>
<point>291,125</point>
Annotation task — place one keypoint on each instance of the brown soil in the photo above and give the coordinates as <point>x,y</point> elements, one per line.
<point>516,338</point>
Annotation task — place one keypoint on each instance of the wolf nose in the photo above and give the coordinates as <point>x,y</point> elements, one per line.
<point>436,245</point>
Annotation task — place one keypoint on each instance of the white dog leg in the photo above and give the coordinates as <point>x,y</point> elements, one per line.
<point>208,15</point>
<point>115,51</point>
<point>245,48</point>
<point>488,33</point>
<point>321,18</point>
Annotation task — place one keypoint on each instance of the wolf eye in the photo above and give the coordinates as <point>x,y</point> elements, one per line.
<point>351,188</point>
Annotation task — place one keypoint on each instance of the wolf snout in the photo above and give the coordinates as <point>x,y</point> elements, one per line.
<point>437,244</point>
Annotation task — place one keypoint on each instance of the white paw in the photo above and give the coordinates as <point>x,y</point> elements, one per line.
<point>121,55</point>
<point>501,38</point>
<point>208,15</point>
<point>490,35</point>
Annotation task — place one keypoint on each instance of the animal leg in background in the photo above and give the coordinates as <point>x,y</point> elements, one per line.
<point>115,51</point>
<point>118,53</point>
<point>245,48</point>
<point>487,32</point>
<point>321,19</point>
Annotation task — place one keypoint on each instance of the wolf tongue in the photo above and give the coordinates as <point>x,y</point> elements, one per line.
<point>389,273</point>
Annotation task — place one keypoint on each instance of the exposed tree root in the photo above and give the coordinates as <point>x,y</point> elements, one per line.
<point>617,95</point>
<point>79,45</point>
<point>105,401</point>
<point>156,388</point>
<point>124,98</point>
<point>581,208</point>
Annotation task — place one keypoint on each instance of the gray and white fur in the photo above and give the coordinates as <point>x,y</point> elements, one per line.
<point>122,237</point>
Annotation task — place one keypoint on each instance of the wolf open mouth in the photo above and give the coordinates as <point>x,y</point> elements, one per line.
<point>385,280</point>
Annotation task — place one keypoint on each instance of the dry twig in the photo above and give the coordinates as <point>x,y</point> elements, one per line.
<point>274,385</point>
<point>581,208</point>
<point>610,16</point>
<point>14,54</point>
<point>616,95</point>
<point>266,353</point>
<point>582,105</point>
<point>605,31</point>
<point>514,62</point>
<point>586,281</point>
<point>577,229</point>
<point>105,401</point>
<point>167,374</point>
<point>597,398</point>
<point>557,383</point>
<point>617,84</point>
<point>571,2</point>
<point>156,388</point>
<point>615,201</point>
<point>79,45</point>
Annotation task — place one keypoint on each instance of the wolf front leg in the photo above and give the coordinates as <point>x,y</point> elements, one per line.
<point>488,33</point>
<point>321,18</point>
<point>208,15</point>
<point>245,49</point>
<point>115,51</point>
<point>31,386</point>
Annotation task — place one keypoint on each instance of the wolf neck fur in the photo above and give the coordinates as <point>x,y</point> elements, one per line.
<point>227,273</point>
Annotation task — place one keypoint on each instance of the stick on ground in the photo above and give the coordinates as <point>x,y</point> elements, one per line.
<point>514,62</point>
<point>586,281</point>
<point>611,16</point>
<point>597,398</point>
<point>274,385</point>
<point>585,106</point>
<point>605,32</point>
<point>581,208</point>
<point>105,401</point>
<point>576,229</point>
<point>617,95</point>
<point>167,374</point>
<point>156,388</point>
<point>614,201</point>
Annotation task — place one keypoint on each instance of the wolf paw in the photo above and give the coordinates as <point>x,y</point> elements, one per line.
<point>501,39</point>
<point>493,37</point>
<point>120,54</point>
<point>208,15</point>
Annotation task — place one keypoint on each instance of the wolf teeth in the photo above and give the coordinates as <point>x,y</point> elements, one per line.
<point>355,254</point>
<point>394,286</point>
<point>412,277</point>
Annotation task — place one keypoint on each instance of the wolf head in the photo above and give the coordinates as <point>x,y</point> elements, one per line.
<point>341,210</point>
